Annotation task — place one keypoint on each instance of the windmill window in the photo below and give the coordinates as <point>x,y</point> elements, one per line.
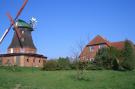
<point>27,60</point>
<point>22,32</point>
<point>11,50</point>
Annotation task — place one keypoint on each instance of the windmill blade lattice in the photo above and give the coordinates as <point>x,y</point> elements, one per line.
<point>13,22</point>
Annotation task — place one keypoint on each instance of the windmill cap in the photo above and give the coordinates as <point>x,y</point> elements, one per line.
<point>22,24</point>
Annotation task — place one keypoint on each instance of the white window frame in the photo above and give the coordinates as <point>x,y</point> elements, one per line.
<point>22,32</point>
<point>101,46</point>
<point>91,48</point>
<point>11,50</point>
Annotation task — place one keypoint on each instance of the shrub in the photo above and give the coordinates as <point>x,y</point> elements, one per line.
<point>107,58</point>
<point>73,65</point>
<point>115,64</point>
<point>129,56</point>
<point>0,61</point>
<point>93,66</point>
<point>58,64</point>
<point>50,65</point>
<point>63,63</point>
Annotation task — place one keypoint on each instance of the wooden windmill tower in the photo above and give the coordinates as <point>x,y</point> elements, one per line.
<point>21,51</point>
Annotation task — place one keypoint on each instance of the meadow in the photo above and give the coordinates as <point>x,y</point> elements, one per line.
<point>31,78</point>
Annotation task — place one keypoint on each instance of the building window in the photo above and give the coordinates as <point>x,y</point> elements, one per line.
<point>91,59</point>
<point>27,60</point>
<point>39,61</point>
<point>91,48</point>
<point>101,46</point>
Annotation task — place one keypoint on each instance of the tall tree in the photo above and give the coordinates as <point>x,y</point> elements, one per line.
<point>129,56</point>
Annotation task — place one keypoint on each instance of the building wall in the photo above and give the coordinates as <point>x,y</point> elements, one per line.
<point>87,54</point>
<point>23,61</point>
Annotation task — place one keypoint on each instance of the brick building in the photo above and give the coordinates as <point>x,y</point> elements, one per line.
<point>97,43</point>
<point>25,56</point>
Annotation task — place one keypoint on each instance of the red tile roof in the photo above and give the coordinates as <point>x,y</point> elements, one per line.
<point>99,40</point>
<point>119,45</point>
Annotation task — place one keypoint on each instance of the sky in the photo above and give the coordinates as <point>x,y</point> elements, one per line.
<point>62,24</point>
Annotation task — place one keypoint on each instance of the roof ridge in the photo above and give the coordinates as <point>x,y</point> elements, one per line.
<point>99,39</point>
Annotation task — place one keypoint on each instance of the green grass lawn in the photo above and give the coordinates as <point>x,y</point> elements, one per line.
<point>36,79</point>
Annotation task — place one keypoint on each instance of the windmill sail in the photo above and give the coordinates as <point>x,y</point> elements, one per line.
<point>18,14</point>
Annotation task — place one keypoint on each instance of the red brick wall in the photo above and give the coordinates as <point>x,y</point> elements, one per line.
<point>87,55</point>
<point>24,61</point>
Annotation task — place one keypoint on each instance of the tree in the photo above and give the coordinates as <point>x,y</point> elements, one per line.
<point>129,56</point>
<point>108,58</point>
<point>80,65</point>
<point>63,63</point>
<point>0,61</point>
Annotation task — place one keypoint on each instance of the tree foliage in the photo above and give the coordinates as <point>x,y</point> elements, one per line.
<point>107,58</point>
<point>112,58</point>
<point>0,61</point>
<point>129,56</point>
<point>50,65</point>
<point>63,63</point>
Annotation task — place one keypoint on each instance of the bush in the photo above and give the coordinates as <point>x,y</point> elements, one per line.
<point>63,63</point>
<point>50,65</point>
<point>58,64</point>
<point>0,61</point>
<point>73,65</point>
<point>107,58</point>
<point>93,66</point>
<point>129,56</point>
<point>115,64</point>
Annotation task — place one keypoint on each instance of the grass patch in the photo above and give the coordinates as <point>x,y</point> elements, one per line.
<point>31,78</point>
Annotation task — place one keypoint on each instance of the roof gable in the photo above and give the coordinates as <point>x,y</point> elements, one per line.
<point>99,40</point>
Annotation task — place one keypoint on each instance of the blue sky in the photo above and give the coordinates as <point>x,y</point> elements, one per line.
<point>63,23</point>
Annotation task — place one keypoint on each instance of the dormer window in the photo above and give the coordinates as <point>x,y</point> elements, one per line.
<point>91,48</point>
<point>101,46</point>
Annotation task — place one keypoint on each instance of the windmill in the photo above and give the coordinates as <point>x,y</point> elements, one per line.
<point>22,51</point>
<point>12,24</point>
